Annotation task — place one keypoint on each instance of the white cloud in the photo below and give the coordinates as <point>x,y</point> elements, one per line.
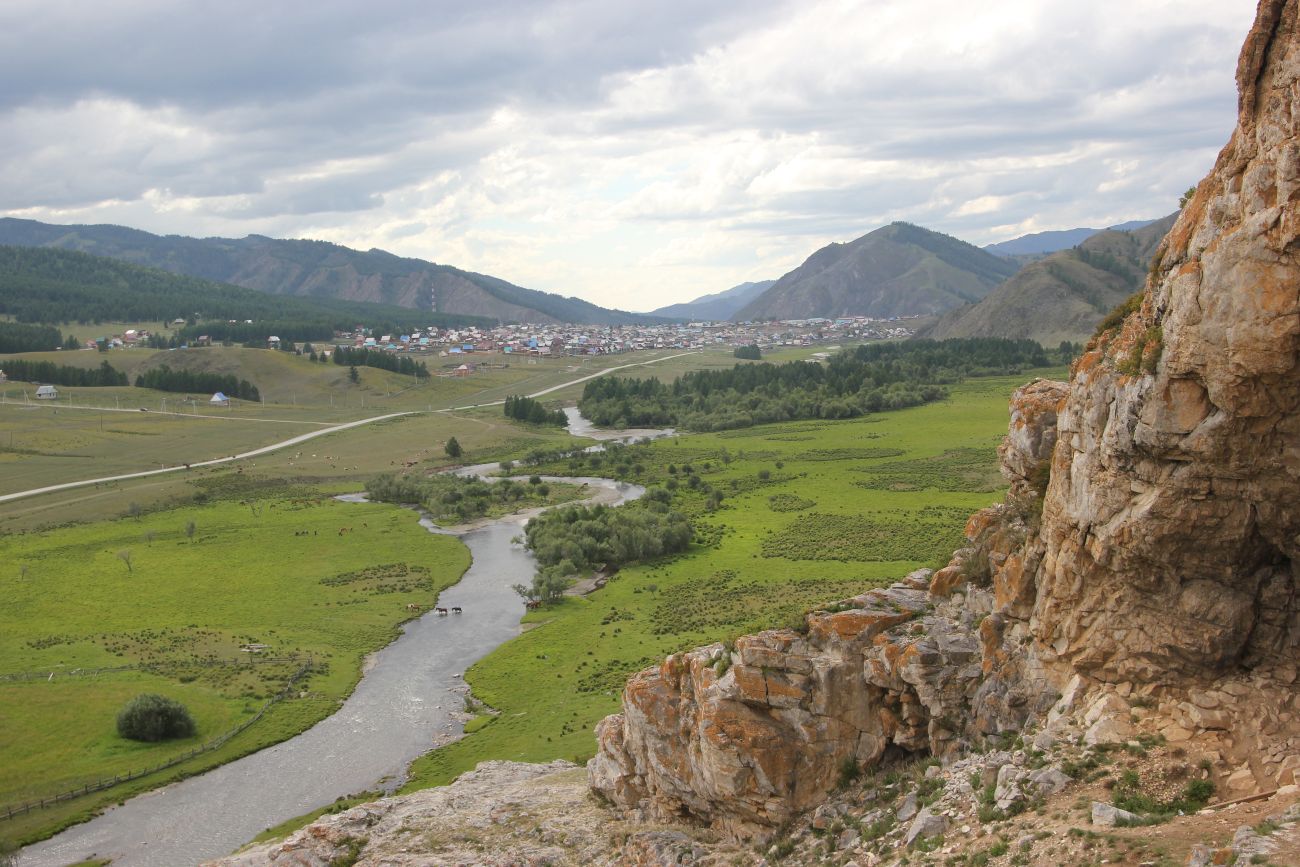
<point>632,154</point>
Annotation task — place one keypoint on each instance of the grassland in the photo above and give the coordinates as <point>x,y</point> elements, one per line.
<point>877,497</point>
<point>266,563</point>
<point>911,476</point>
<point>94,432</point>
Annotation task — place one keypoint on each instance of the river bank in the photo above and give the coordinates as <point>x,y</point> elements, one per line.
<point>409,700</point>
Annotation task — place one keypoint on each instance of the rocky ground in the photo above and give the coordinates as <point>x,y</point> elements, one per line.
<point>1014,806</point>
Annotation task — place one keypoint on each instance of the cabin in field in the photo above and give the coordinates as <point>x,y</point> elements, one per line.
<point>47,392</point>
<point>219,399</point>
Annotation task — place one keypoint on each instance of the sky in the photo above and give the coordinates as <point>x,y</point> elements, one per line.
<point>632,154</point>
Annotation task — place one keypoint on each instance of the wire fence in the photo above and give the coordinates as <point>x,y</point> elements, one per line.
<point>15,810</point>
<point>52,674</point>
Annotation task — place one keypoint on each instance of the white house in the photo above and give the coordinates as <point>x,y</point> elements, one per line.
<point>47,392</point>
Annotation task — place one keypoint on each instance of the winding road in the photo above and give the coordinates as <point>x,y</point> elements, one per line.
<point>301,438</point>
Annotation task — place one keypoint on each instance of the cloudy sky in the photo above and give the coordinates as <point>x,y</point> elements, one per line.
<point>633,154</point>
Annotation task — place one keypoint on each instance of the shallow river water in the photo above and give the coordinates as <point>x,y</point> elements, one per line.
<point>403,703</point>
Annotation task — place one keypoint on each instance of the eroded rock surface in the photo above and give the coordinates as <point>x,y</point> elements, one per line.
<point>1147,548</point>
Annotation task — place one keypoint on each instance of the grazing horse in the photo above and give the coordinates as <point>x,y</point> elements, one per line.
<point>533,603</point>
<point>411,606</point>
<point>455,609</point>
<point>442,612</point>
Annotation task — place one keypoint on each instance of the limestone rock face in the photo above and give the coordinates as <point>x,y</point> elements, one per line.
<point>1150,542</point>
<point>765,729</point>
<point>1171,524</point>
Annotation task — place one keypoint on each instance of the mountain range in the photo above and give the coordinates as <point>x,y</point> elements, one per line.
<point>317,269</point>
<point>1064,295</point>
<point>896,270</point>
<point>717,307</point>
<point>1042,243</point>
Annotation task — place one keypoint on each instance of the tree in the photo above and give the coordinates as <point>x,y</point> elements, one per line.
<point>1186,197</point>
<point>125,556</point>
<point>151,717</point>
<point>453,449</point>
<point>353,375</point>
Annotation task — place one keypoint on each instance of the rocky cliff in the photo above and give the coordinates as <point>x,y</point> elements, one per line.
<point>1147,548</point>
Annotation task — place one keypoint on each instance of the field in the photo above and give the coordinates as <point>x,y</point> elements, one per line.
<point>83,434</point>
<point>815,511</point>
<point>265,563</point>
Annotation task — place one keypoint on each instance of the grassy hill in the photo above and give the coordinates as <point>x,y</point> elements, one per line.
<point>317,270</point>
<point>897,270</point>
<point>1063,296</point>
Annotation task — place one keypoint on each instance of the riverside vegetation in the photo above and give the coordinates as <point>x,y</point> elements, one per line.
<point>854,382</point>
<point>167,599</point>
<point>735,487</point>
<point>926,469</point>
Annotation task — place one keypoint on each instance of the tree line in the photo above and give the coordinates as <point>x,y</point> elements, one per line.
<point>163,378</point>
<point>46,285</point>
<point>532,411</point>
<point>17,337</point>
<point>63,374</point>
<point>351,356</point>
<point>456,499</point>
<point>572,540</point>
<point>864,379</point>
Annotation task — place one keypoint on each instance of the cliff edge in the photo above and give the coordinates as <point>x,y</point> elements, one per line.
<point>1146,552</point>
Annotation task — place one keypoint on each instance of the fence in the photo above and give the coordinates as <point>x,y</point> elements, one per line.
<point>10,812</point>
<point>51,674</point>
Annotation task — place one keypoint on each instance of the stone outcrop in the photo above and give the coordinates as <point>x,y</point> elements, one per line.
<point>1149,545</point>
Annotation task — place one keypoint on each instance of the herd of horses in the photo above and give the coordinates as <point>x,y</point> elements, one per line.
<point>441,612</point>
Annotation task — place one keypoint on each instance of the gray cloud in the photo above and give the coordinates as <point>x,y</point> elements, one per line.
<point>630,153</point>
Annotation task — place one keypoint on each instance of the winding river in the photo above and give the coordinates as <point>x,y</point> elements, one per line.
<point>406,702</point>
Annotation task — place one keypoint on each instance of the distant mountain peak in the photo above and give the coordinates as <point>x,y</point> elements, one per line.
<point>897,270</point>
<point>1042,243</point>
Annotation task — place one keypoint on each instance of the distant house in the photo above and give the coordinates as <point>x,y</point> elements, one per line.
<point>273,342</point>
<point>219,399</point>
<point>47,392</point>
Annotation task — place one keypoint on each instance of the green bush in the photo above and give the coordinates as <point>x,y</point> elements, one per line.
<point>151,717</point>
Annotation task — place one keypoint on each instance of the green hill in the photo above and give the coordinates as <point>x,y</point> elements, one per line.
<point>318,270</point>
<point>60,286</point>
<point>1064,295</point>
<point>897,270</point>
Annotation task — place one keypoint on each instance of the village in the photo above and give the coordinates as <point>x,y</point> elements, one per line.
<point>579,340</point>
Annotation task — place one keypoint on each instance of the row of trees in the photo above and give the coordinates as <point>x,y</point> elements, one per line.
<point>62,374</point>
<point>17,337</point>
<point>457,499</point>
<point>46,285</point>
<point>363,357</point>
<point>864,379</point>
<point>527,409</point>
<point>575,539</point>
<point>163,378</point>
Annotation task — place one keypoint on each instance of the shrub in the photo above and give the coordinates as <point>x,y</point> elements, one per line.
<point>151,717</point>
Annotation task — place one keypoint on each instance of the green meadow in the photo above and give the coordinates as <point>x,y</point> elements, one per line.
<point>173,595</point>
<point>96,432</point>
<point>814,511</point>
